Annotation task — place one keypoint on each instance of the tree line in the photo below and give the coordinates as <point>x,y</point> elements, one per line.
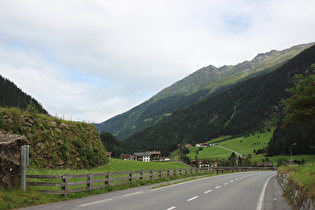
<point>12,96</point>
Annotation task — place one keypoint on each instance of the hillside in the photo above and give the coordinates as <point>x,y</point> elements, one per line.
<point>12,96</point>
<point>204,82</point>
<point>53,142</point>
<point>251,105</point>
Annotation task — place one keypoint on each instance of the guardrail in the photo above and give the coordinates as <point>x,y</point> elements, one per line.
<point>65,184</point>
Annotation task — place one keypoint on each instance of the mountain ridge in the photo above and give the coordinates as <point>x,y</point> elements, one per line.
<point>253,105</point>
<point>199,84</point>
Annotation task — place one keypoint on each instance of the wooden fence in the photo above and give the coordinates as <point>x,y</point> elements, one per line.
<point>64,184</point>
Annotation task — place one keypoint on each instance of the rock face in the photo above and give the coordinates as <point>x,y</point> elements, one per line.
<point>294,193</point>
<point>10,155</point>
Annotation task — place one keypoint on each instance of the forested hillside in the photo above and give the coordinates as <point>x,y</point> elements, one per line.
<point>252,105</point>
<point>202,83</point>
<point>297,128</point>
<point>12,96</point>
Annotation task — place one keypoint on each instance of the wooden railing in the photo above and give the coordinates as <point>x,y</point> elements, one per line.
<point>64,184</point>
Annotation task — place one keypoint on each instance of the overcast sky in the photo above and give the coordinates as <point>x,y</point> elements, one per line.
<point>94,59</point>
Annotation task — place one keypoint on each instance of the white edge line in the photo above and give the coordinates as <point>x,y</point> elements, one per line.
<point>96,202</point>
<point>262,194</point>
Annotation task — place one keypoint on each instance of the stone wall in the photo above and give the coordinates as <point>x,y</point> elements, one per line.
<point>10,152</point>
<point>294,194</point>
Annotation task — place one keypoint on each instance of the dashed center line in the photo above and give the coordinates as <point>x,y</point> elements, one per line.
<point>193,198</point>
<point>96,202</point>
<point>226,183</point>
<point>208,191</point>
<point>217,187</point>
<point>171,208</point>
<point>232,181</point>
<point>131,194</point>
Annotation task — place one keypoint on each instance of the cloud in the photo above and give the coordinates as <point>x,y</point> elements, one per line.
<point>93,59</point>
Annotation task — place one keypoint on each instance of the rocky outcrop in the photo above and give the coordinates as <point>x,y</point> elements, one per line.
<point>294,194</point>
<point>10,153</point>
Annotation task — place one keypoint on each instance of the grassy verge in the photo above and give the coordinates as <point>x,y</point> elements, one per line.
<point>113,165</point>
<point>303,176</point>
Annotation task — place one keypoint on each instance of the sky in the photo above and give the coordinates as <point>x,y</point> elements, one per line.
<point>90,60</point>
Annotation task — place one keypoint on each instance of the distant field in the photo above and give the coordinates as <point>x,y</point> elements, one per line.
<point>114,165</point>
<point>242,145</point>
<point>246,145</point>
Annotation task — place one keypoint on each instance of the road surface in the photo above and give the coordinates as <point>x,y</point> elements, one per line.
<point>245,190</point>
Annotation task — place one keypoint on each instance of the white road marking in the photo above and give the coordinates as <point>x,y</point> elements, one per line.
<point>208,191</point>
<point>193,198</point>
<point>236,179</point>
<point>262,195</point>
<point>173,207</point>
<point>226,183</point>
<point>96,202</point>
<point>232,181</point>
<point>217,187</point>
<point>131,194</point>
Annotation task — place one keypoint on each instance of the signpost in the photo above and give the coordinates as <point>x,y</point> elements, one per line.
<point>24,163</point>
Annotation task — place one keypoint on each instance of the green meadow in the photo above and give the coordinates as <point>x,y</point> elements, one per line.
<point>244,145</point>
<point>114,165</point>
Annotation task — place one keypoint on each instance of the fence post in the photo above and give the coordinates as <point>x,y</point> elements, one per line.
<point>64,186</point>
<point>141,174</point>
<point>168,172</point>
<point>130,176</point>
<point>89,181</point>
<point>174,171</point>
<point>24,163</point>
<point>180,171</point>
<point>106,178</point>
<point>151,174</point>
<point>160,173</point>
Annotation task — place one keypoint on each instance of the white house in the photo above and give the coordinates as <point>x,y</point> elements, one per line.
<point>142,156</point>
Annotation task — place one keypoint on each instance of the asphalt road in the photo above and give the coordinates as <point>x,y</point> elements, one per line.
<point>247,190</point>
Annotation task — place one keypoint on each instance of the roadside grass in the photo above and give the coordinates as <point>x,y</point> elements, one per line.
<point>302,176</point>
<point>114,165</point>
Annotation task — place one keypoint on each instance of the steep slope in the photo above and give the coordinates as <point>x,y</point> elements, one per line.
<point>53,142</point>
<point>243,108</point>
<point>12,96</point>
<point>204,82</point>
